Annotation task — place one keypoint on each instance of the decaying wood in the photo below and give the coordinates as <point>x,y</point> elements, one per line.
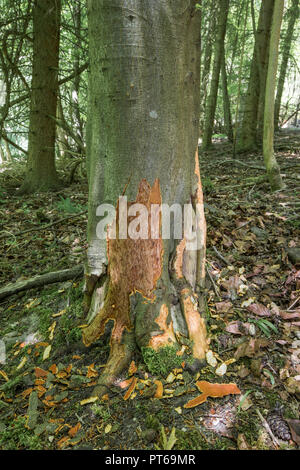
<point>40,281</point>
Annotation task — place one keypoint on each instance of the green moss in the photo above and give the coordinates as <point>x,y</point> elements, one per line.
<point>190,440</point>
<point>161,362</point>
<point>249,426</point>
<point>17,436</point>
<point>152,422</point>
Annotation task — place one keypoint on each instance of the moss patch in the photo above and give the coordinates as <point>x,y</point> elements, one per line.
<point>161,362</point>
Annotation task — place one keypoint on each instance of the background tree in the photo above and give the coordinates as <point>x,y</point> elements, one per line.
<point>272,167</point>
<point>41,172</point>
<point>218,53</point>
<point>293,15</point>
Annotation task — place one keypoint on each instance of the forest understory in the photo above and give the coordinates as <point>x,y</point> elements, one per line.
<point>252,314</point>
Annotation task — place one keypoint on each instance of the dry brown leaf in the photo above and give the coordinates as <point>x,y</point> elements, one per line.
<point>131,388</point>
<point>259,310</point>
<point>40,372</point>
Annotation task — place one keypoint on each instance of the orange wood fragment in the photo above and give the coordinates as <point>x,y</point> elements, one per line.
<point>125,383</point>
<point>160,389</point>
<point>132,368</point>
<point>196,401</point>
<point>212,390</point>
<point>73,431</point>
<point>131,388</point>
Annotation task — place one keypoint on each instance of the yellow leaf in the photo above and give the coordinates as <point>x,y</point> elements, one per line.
<point>59,313</point>
<point>22,363</point>
<point>47,352</point>
<point>107,428</point>
<point>88,400</point>
<point>4,375</point>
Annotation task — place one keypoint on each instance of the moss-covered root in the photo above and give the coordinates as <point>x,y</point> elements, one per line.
<point>119,359</point>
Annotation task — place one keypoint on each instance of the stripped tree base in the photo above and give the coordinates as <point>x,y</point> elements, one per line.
<point>148,291</point>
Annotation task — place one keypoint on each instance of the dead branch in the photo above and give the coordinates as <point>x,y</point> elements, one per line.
<point>42,280</point>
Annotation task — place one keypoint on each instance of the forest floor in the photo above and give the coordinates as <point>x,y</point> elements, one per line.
<point>253,319</point>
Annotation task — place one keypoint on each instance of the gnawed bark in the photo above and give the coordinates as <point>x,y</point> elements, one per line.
<point>143,132</point>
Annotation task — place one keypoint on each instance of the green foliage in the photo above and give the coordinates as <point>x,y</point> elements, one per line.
<point>264,325</point>
<point>161,362</point>
<point>207,185</point>
<point>101,411</point>
<point>152,422</point>
<point>66,205</point>
<point>17,436</point>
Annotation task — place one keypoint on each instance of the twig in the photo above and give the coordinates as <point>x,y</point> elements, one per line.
<point>42,280</point>
<point>267,427</point>
<point>43,227</point>
<point>214,284</point>
<point>221,257</point>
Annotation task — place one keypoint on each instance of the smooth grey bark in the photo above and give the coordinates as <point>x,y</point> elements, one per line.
<point>293,14</point>
<point>143,111</point>
<point>273,170</point>
<point>252,121</point>
<point>212,99</point>
<point>226,100</point>
<point>206,65</point>
<point>142,130</point>
<point>41,172</point>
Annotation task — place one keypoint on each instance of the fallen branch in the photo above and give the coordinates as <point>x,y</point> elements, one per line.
<point>40,281</point>
<point>268,429</point>
<point>42,227</point>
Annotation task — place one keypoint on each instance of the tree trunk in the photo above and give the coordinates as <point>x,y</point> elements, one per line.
<point>226,100</point>
<point>206,68</point>
<point>212,99</point>
<point>293,16</point>
<point>254,103</point>
<point>273,170</point>
<point>144,110</point>
<point>41,173</point>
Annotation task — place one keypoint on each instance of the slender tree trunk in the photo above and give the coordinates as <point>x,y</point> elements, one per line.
<point>293,16</point>
<point>263,50</point>
<point>226,100</point>
<point>143,137</point>
<point>273,170</point>
<point>62,138</point>
<point>212,99</point>
<point>41,173</point>
<point>206,68</point>
<point>8,152</point>
<point>254,103</point>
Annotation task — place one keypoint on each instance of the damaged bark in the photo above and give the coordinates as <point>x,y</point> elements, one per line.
<point>143,132</point>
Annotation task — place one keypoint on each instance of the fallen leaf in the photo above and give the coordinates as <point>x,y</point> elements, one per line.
<point>259,310</point>
<point>107,428</point>
<point>294,425</point>
<point>89,400</point>
<point>73,431</point>
<point>131,388</point>
<point>210,359</point>
<point>221,370</point>
<point>22,363</point>
<point>47,352</point>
